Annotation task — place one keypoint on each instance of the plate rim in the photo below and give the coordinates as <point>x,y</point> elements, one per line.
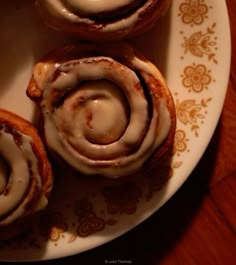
<point>225,24</point>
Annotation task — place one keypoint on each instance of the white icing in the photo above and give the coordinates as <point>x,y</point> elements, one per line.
<point>19,179</point>
<point>91,7</point>
<point>101,68</point>
<point>101,115</point>
<point>12,199</point>
<point>66,126</point>
<point>58,11</point>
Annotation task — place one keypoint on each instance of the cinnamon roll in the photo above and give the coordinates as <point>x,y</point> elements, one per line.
<point>25,174</point>
<point>102,19</point>
<point>106,109</point>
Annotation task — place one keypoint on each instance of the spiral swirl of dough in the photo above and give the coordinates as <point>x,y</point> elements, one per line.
<point>105,109</point>
<point>25,173</point>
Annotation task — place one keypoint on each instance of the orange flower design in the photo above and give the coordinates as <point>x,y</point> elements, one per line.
<point>196,77</point>
<point>193,12</point>
<point>88,222</point>
<point>190,112</point>
<point>202,44</point>
<point>90,225</point>
<point>180,143</point>
<point>122,198</point>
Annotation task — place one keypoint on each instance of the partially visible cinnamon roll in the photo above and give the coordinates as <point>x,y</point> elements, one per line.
<point>26,176</point>
<point>102,19</point>
<point>106,109</point>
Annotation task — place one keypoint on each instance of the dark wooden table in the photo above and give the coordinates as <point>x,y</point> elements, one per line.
<point>198,225</point>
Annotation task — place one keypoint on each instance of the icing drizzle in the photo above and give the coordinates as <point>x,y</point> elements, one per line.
<point>18,173</point>
<point>96,113</point>
<point>101,15</point>
<point>91,7</point>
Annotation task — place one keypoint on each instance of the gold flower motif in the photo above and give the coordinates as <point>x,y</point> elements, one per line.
<point>90,225</point>
<point>88,222</point>
<point>202,44</point>
<point>196,77</point>
<point>193,12</point>
<point>189,112</point>
<point>180,142</point>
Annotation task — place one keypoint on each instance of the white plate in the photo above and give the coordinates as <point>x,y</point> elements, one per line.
<point>191,46</point>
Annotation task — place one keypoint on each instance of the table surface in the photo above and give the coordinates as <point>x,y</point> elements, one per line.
<point>204,228</point>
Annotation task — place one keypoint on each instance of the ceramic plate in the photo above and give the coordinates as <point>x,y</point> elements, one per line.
<point>191,46</point>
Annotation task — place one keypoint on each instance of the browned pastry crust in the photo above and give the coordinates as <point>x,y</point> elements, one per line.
<point>16,126</point>
<point>116,58</point>
<point>117,25</point>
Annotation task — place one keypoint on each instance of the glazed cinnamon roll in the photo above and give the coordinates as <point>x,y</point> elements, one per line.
<point>25,174</point>
<point>102,19</point>
<point>106,109</point>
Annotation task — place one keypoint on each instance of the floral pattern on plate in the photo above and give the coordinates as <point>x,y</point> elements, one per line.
<point>194,12</point>
<point>85,213</point>
<point>196,77</point>
<point>202,43</point>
